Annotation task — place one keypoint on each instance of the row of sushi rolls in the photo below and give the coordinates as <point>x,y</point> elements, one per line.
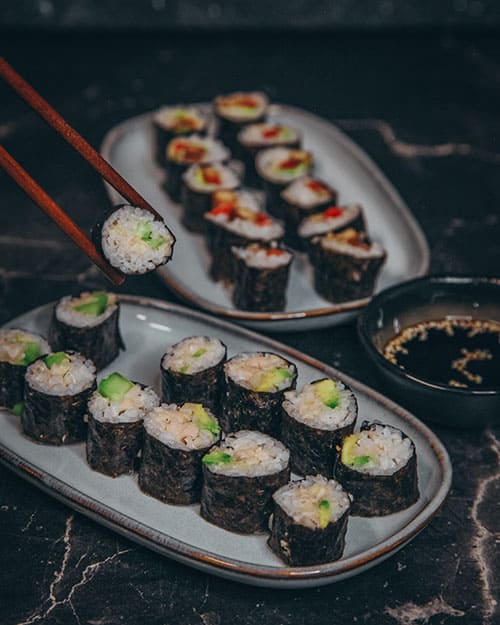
<point>234,435</point>
<point>256,215</point>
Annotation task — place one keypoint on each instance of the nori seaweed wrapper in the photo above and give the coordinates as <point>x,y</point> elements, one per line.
<point>113,448</point>
<point>171,475</point>
<point>163,136</point>
<point>194,205</point>
<point>173,179</point>
<point>240,503</point>
<point>298,545</point>
<point>228,130</point>
<point>378,495</point>
<point>11,384</point>
<point>101,343</point>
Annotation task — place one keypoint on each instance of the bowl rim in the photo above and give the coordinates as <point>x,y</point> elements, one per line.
<point>409,286</point>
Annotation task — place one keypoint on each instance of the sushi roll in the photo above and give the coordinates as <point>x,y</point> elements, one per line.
<point>314,422</point>
<point>309,521</point>
<point>261,277</point>
<point>170,122</point>
<point>378,466</point>
<point>255,386</point>
<point>277,168</point>
<point>234,111</point>
<point>345,265</point>
<point>240,475</point>
<point>183,152</point>
<point>175,439</point>
<point>193,371</point>
<point>199,182</point>
<point>57,388</point>
<point>255,137</point>
<point>236,219</point>
<point>115,415</point>
<point>302,198</point>
<point>332,219</point>
<point>88,323</point>
<point>18,349</point>
<point>133,240</point>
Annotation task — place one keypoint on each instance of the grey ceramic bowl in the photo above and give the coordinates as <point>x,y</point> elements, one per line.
<point>425,299</point>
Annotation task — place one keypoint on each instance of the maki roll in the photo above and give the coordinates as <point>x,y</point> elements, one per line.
<point>277,168</point>
<point>57,388</point>
<point>240,475</point>
<point>88,324</point>
<point>378,466</point>
<point>170,122</point>
<point>314,422</point>
<point>332,219</point>
<point>235,110</point>
<point>255,386</point>
<point>183,152</point>
<point>261,277</point>
<point>200,181</point>
<point>133,240</point>
<point>255,137</point>
<point>115,414</point>
<point>345,265</point>
<point>18,349</point>
<point>175,439</point>
<point>309,521</point>
<point>193,371</point>
<point>236,219</point>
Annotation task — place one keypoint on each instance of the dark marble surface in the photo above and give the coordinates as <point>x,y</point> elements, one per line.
<point>426,109</point>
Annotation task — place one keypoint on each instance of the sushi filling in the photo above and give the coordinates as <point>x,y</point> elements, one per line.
<point>208,178</point>
<point>380,450</point>
<point>87,310</point>
<point>263,373</point>
<point>134,242</point>
<point>241,107</point>
<point>333,218</point>
<point>308,193</point>
<point>119,400</point>
<point>313,502</point>
<point>326,404</point>
<point>195,149</point>
<point>262,257</point>
<point>193,355</point>
<point>61,374</point>
<point>21,348</point>
<point>350,242</point>
<point>282,165</point>
<point>179,120</point>
<point>247,453</point>
<point>256,135</point>
<point>189,426</point>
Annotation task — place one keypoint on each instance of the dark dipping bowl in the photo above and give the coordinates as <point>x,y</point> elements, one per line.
<point>426,299</point>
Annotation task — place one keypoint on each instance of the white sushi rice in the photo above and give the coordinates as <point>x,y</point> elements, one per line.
<point>307,407</point>
<point>253,135</point>
<point>248,369</point>
<point>337,243</point>
<point>300,193</point>
<point>13,345</point>
<point>167,116</point>
<point>181,356</point>
<point>214,151</point>
<point>179,427</point>
<point>301,500</point>
<point>321,224</point>
<point>388,449</point>
<point>226,106</point>
<point>70,377</point>
<point>124,248</point>
<point>252,454</point>
<point>135,405</point>
<point>257,256</point>
<point>267,164</point>
<point>66,313</point>
<point>228,179</point>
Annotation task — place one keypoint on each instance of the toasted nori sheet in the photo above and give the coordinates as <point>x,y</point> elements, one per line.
<point>55,419</point>
<point>171,475</point>
<point>101,343</point>
<point>358,223</point>
<point>239,504</point>
<point>295,213</point>
<point>173,179</point>
<point>11,384</point>
<point>194,205</point>
<point>378,495</point>
<point>298,545</point>
<point>227,130</point>
<point>113,448</point>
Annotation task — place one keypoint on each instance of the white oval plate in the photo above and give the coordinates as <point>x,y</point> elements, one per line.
<point>148,326</point>
<point>339,161</point>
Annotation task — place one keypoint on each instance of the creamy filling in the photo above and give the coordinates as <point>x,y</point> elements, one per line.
<point>261,372</point>
<point>194,354</point>
<point>18,347</point>
<point>61,374</point>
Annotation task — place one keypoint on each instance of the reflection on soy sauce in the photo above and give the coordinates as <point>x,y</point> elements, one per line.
<point>459,352</point>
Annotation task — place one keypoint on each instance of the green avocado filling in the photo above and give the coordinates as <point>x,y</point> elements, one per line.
<point>199,352</point>
<point>324,513</point>
<point>184,369</point>
<point>17,409</point>
<point>359,461</point>
<point>328,392</point>
<point>272,379</point>
<point>115,387</point>
<point>55,359</point>
<point>31,353</point>
<point>144,231</point>
<point>205,422</point>
<point>217,457</point>
<point>95,306</point>
<point>349,456</point>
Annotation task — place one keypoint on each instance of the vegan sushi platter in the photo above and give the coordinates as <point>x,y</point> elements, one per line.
<point>215,446</point>
<point>281,221</point>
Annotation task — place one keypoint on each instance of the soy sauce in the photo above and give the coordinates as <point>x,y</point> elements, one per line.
<point>459,352</point>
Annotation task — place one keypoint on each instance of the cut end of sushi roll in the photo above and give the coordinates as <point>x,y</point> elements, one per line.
<point>193,355</point>
<point>241,106</point>
<point>266,135</point>
<point>308,193</point>
<point>332,219</point>
<point>263,257</point>
<point>179,119</point>
<point>210,178</point>
<point>86,310</point>
<point>261,372</point>
<point>196,149</point>
<point>20,347</point>
<point>350,242</point>
<point>133,240</point>
<point>283,165</point>
<point>61,374</point>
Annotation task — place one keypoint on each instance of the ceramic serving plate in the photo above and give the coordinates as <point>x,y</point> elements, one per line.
<point>339,161</point>
<point>179,532</point>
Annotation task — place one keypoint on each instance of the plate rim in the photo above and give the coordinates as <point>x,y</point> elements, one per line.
<point>349,145</point>
<point>227,566</point>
